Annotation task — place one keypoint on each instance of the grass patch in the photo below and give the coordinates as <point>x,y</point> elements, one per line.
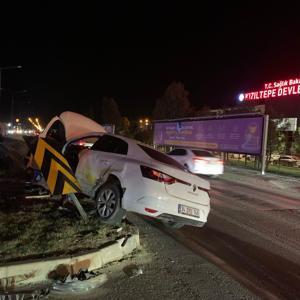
<point>39,229</point>
<point>277,169</point>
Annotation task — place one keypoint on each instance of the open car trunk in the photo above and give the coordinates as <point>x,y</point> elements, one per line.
<point>63,129</point>
<point>68,125</point>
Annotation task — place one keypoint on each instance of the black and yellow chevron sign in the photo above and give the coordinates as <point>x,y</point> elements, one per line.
<point>55,169</point>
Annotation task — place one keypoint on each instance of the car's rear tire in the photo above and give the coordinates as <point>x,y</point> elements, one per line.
<point>173,225</point>
<point>108,203</point>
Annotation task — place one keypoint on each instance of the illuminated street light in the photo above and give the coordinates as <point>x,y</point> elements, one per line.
<point>17,120</point>
<point>9,68</point>
<point>241,97</point>
<point>144,123</point>
<point>36,124</point>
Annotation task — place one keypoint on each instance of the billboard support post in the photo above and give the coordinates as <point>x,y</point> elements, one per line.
<point>264,144</point>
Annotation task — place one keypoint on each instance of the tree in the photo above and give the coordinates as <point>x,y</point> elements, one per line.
<point>296,143</point>
<point>204,110</point>
<point>173,104</point>
<point>276,139</point>
<point>110,112</point>
<point>125,127</point>
<point>145,136</point>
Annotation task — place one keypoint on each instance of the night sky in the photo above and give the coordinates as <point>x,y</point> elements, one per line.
<point>73,55</point>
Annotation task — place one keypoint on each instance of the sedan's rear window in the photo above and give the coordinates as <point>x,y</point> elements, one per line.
<point>108,143</point>
<point>202,153</point>
<point>161,157</point>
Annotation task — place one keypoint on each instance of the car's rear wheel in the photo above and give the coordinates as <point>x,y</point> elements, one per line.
<point>173,225</point>
<point>108,202</point>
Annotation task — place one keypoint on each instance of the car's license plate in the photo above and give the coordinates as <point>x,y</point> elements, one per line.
<point>187,210</point>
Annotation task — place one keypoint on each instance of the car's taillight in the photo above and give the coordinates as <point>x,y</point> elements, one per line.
<point>150,210</point>
<point>220,162</point>
<point>160,176</point>
<point>200,160</point>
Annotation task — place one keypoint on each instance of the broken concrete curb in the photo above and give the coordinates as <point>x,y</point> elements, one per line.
<point>20,274</point>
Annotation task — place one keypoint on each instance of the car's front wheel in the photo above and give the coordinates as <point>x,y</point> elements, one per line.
<point>108,202</point>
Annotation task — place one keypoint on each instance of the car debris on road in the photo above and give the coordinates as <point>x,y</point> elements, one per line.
<point>84,281</point>
<point>132,270</point>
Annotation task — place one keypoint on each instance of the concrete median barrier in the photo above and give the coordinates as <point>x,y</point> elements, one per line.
<point>16,275</point>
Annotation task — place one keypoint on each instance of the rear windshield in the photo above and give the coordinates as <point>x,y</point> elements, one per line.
<point>202,153</point>
<point>108,143</point>
<point>161,157</point>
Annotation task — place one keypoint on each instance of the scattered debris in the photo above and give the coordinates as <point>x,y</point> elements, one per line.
<point>125,240</point>
<point>92,212</point>
<point>38,196</point>
<point>119,229</point>
<point>82,282</point>
<point>132,270</point>
<point>64,209</point>
<point>26,293</point>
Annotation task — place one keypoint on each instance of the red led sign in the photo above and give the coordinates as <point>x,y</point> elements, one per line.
<point>275,89</point>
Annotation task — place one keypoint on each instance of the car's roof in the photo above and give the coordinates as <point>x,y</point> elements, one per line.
<point>128,140</point>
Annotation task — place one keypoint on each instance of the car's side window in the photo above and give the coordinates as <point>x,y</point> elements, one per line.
<point>178,152</point>
<point>111,144</point>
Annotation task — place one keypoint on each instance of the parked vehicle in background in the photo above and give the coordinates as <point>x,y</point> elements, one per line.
<point>288,161</point>
<point>274,158</point>
<point>198,161</point>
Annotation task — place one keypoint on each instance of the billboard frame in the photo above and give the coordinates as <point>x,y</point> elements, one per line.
<point>263,145</point>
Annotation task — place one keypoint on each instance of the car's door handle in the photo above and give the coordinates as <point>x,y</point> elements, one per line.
<point>106,162</point>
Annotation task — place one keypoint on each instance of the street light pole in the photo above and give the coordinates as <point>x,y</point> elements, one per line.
<point>12,109</point>
<point>12,103</point>
<point>3,69</point>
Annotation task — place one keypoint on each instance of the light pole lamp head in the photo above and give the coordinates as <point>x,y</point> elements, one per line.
<point>241,97</point>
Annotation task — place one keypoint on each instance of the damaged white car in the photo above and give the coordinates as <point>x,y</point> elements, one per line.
<point>122,174</point>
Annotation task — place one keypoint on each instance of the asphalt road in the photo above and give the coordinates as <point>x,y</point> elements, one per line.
<point>168,270</point>
<point>254,235</point>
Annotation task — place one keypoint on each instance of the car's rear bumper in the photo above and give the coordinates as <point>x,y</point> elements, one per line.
<point>169,207</point>
<point>180,220</point>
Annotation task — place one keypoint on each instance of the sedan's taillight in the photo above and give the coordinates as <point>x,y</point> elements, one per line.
<point>160,176</point>
<point>200,160</point>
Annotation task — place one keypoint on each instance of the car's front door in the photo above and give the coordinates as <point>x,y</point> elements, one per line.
<point>104,157</point>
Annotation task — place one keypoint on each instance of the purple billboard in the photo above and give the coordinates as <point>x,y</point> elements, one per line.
<point>238,135</point>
